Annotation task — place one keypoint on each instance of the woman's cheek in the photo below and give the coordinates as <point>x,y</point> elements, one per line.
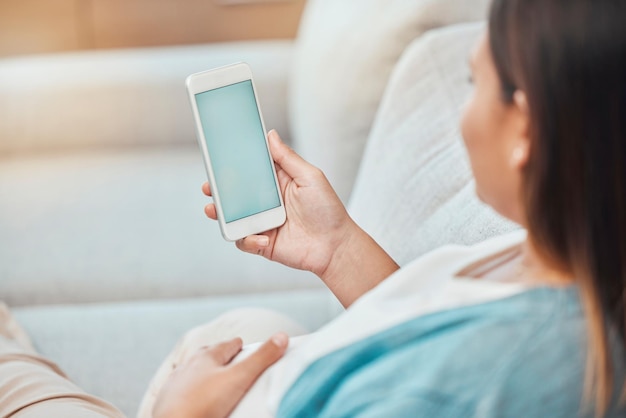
<point>470,126</point>
<point>465,122</point>
<point>472,132</point>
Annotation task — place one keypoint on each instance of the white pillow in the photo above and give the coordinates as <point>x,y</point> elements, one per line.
<point>345,52</point>
<point>415,190</point>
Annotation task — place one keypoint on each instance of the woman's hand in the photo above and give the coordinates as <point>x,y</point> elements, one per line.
<point>319,235</point>
<point>208,386</point>
<point>317,222</point>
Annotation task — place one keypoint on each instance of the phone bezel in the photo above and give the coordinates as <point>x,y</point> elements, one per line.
<point>216,78</point>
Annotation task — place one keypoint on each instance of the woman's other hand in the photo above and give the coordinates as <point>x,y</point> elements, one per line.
<point>209,386</point>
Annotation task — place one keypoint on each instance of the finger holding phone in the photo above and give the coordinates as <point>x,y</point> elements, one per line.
<point>268,199</point>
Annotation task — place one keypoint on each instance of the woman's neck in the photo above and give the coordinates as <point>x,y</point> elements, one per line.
<point>520,264</point>
<point>534,268</point>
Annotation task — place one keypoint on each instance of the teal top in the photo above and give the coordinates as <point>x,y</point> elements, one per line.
<point>521,356</point>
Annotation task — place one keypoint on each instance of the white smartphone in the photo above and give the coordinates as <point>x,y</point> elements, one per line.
<point>233,140</point>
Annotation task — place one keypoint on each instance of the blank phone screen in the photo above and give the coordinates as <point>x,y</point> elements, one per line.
<point>237,150</point>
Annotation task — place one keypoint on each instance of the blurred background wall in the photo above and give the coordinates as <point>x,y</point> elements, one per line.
<point>40,26</point>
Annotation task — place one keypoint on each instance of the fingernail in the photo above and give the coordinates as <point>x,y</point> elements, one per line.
<point>274,133</point>
<point>263,241</point>
<point>280,340</point>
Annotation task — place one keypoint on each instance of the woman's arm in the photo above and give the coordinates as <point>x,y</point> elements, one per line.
<point>357,266</point>
<point>319,235</point>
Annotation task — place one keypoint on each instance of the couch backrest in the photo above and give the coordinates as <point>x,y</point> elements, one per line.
<point>124,97</point>
<point>345,52</point>
<point>415,190</point>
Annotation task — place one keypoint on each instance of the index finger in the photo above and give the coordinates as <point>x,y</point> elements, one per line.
<point>288,160</point>
<point>249,369</point>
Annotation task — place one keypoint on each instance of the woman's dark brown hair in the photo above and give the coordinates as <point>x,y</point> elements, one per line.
<point>569,58</point>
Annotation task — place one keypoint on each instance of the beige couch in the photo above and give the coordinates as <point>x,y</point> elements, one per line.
<point>105,255</point>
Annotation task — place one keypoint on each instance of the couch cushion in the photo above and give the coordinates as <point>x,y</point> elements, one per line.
<point>415,190</point>
<point>125,97</point>
<point>119,225</point>
<point>113,350</point>
<point>344,55</point>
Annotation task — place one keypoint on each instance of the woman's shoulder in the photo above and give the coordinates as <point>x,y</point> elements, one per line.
<point>523,351</point>
<point>522,356</point>
<point>536,334</point>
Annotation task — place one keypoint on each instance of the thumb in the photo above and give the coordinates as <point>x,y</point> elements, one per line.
<point>294,165</point>
<point>248,370</point>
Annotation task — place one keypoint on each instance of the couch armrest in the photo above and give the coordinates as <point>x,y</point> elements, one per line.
<point>125,97</point>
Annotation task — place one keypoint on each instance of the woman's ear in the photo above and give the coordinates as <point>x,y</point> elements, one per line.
<point>521,148</point>
<point>519,97</point>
